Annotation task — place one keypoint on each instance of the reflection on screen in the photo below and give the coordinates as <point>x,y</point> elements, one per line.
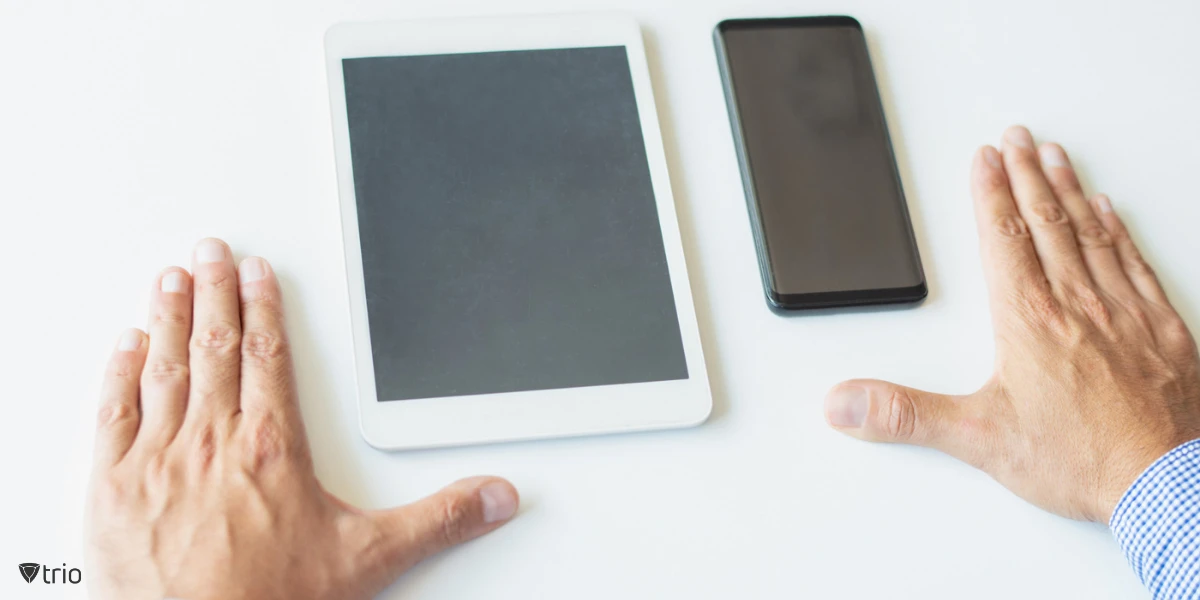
<point>509,233</point>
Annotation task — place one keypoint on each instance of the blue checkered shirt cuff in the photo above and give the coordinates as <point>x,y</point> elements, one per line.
<point>1157,524</point>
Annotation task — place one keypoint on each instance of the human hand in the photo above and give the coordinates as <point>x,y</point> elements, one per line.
<point>1096,375</point>
<point>203,486</point>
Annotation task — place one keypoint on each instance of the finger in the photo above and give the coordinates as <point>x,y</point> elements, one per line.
<point>118,418</point>
<point>1009,259</point>
<point>216,333</point>
<point>1135,267</point>
<point>1049,225</point>
<point>267,380</point>
<point>1095,243</point>
<point>460,512</point>
<point>878,411</point>
<point>165,380</point>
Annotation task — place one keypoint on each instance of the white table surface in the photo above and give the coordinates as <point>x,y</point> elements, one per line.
<point>130,129</point>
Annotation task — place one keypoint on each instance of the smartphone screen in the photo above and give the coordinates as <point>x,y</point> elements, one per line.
<point>822,187</point>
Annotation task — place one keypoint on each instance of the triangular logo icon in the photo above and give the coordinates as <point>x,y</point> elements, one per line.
<point>29,571</point>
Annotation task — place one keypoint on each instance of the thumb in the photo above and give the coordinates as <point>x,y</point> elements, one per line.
<point>878,411</point>
<point>460,512</point>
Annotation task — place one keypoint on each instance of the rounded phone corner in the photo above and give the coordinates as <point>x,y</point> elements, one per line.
<point>921,292</point>
<point>912,295</point>
<point>848,21</point>
<point>775,302</point>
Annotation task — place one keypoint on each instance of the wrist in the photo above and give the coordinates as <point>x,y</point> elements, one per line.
<point>1124,476</point>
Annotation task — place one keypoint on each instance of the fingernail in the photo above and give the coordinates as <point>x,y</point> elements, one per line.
<point>130,341</point>
<point>499,502</point>
<point>252,269</point>
<point>1104,204</point>
<point>847,407</point>
<point>1053,156</point>
<point>210,251</point>
<point>172,283</point>
<point>991,157</point>
<point>1018,136</point>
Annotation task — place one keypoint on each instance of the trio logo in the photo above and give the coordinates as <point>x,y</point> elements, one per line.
<point>29,571</point>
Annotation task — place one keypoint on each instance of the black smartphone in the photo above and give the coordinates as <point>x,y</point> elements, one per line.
<point>823,191</point>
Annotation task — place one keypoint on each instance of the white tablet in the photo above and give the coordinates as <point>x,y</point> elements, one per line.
<point>512,251</point>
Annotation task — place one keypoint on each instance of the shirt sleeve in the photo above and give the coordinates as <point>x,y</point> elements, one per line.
<point>1157,524</point>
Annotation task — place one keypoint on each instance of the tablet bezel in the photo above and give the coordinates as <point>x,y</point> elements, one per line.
<point>486,418</point>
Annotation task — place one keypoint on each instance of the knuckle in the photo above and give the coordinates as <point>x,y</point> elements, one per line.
<point>899,416</point>
<point>1011,226</point>
<point>166,370</point>
<point>266,443</point>
<point>1120,237</point>
<point>1042,308</point>
<point>1092,305</point>
<point>263,346</point>
<point>217,337</point>
<point>1048,213</point>
<point>1137,265</point>
<point>125,369</point>
<point>113,414</point>
<point>160,472</point>
<point>992,180</point>
<point>172,317</point>
<point>1138,315</point>
<point>204,448</point>
<point>1175,332</point>
<point>220,282</point>
<point>455,512</point>
<point>1092,235</point>
<point>261,299</point>
<point>1043,305</point>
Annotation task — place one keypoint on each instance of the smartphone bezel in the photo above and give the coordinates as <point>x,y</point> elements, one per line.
<point>775,299</point>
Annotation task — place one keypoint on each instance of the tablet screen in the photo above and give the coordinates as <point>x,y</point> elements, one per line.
<point>509,233</point>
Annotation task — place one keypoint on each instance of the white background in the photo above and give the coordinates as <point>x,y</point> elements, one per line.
<point>130,129</point>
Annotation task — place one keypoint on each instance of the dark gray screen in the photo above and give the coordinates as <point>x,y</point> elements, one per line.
<point>832,210</point>
<point>509,232</point>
